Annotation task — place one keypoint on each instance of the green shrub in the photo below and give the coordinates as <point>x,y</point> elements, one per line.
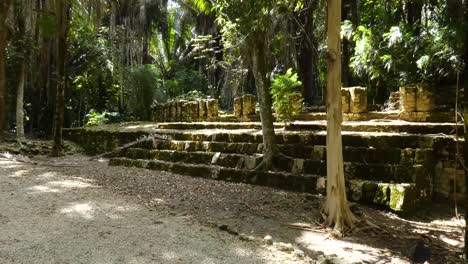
<point>192,96</point>
<point>184,80</point>
<point>142,85</point>
<point>95,118</point>
<point>287,99</point>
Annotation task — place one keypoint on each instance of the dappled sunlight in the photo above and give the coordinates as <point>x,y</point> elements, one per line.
<point>92,210</point>
<point>9,164</point>
<point>70,184</point>
<point>19,173</point>
<point>83,210</point>
<point>60,186</point>
<point>139,126</point>
<point>169,256</point>
<point>241,252</point>
<point>46,175</point>
<point>344,249</point>
<point>43,189</point>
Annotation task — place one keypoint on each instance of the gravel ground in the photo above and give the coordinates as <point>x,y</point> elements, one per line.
<point>92,213</point>
<point>62,215</point>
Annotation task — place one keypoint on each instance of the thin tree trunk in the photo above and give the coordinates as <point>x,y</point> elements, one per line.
<point>465,84</point>
<point>336,206</point>
<point>308,69</point>
<point>19,103</point>
<point>20,11</point>
<point>61,10</point>
<point>266,115</point>
<point>4,7</point>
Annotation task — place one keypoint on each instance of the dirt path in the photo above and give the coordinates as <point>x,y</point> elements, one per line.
<point>55,215</point>
<point>93,213</point>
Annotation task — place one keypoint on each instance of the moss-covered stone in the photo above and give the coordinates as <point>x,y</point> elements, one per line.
<point>403,197</point>
<point>382,194</point>
<point>362,191</point>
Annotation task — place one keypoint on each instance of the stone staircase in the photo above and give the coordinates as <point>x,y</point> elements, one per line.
<point>391,166</point>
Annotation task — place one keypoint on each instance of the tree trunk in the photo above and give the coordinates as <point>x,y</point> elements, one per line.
<point>465,84</point>
<point>308,60</point>
<point>20,16</point>
<point>261,82</point>
<point>19,102</point>
<point>4,7</point>
<point>61,13</point>
<point>336,206</point>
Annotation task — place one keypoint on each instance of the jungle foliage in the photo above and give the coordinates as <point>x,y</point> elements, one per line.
<point>122,56</point>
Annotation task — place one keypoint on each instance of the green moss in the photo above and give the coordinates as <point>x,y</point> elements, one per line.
<point>407,156</point>
<point>403,198</point>
<point>318,153</point>
<point>382,194</point>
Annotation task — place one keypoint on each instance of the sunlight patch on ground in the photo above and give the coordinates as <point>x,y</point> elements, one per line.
<point>59,186</point>
<point>9,164</point>
<point>343,249</point>
<point>46,175</point>
<point>90,210</point>
<point>70,184</point>
<point>84,210</point>
<point>19,173</point>
<point>43,189</point>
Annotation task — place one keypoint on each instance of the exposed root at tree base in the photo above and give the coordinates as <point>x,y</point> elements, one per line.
<point>268,161</point>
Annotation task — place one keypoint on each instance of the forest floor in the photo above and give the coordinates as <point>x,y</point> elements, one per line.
<point>74,210</point>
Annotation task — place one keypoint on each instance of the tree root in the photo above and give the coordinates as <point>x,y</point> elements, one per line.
<point>155,137</point>
<point>268,163</point>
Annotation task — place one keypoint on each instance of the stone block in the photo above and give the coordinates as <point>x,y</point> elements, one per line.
<point>402,197</point>
<point>345,100</point>
<point>173,111</point>
<point>202,111</point>
<point>297,166</point>
<point>248,104</point>
<point>358,99</point>
<point>425,100</point>
<point>157,112</point>
<point>194,108</point>
<point>362,191</point>
<point>238,106</point>
<point>212,106</point>
<point>408,98</point>
<point>165,114</point>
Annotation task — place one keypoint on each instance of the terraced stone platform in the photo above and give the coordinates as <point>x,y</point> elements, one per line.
<point>387,163</point>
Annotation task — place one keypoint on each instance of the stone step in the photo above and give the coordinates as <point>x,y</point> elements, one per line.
<point>196,157</point>
<point>301,151</point>
<point>375,140</point>
<point>213,125</point>
<point>315,116</point>
<point>389,126</point>
<point>99,140</point>
<point>380,125</point>
<point>353,170</point>
<point>402,198</point>
<point>281,180</point>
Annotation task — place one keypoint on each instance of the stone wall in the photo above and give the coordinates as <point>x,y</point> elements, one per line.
<point>354,100</point>
<point>244,106</point>
<point>416,103</point>
<point>449,175</point>
<point>449,179</point>
<point>182,110</point>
